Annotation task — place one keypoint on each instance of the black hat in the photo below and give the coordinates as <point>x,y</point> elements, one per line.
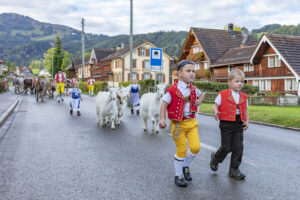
<point>184,62</point>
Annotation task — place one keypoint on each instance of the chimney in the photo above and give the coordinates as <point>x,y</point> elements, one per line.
<point>118,47</point>
<point>245,37</point>
<point>230,29</point>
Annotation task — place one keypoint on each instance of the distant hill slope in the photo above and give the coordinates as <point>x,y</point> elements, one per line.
<point>23,39</point>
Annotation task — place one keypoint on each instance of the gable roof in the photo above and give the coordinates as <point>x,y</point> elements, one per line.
<point>102,53</point>
<point>216,42</point>
<point>122,52</point>
<point>235,56</point>
<point>76,61</point>
<point>286,47</point>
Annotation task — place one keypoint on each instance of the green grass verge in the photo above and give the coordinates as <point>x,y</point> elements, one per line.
<point>288,116</point>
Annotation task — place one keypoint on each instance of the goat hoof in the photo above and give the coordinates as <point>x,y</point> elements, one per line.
<point>157,132</point>
<point>145,130</point>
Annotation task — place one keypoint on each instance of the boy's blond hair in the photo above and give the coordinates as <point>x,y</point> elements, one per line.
<point>235,72</point>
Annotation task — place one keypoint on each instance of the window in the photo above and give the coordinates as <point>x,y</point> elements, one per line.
<point>255,83</point>
<point>159,77</point>
<point>251,68</point>
<point>261,84</point>
<point>114,64</point>
<point>197,66</point>
<point>195,50</point>
<point>291,84</point>
<point>147,64</point>
<point>246,67</point>
<point>133,75</point>
<point>268,85</point>
<point>205,65</point>
<point>142,52</point>
<point>146,75</point>
<point>273,61</point>
<point>230,68</point>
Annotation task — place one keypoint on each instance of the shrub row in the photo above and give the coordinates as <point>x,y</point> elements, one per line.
<point>99,86</point>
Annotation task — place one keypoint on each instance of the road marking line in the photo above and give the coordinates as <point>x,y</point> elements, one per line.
<point>246,160</point>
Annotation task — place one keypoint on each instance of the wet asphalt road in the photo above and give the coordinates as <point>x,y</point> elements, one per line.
<point>47,154</point>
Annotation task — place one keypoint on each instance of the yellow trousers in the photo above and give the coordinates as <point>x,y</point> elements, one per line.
<point>60,88</point>
<point>91,88</point>
<point>183,132</point>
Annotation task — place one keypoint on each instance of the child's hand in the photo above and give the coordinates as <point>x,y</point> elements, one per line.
<point>162,123</point>
<point>198,102</point>
<point>246,124</point>
<point>80,99</point>
<point>216,115</point>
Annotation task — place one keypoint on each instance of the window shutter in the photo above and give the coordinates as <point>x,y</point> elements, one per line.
<point>143,64</point>
<point>134,63</point>
<point>151,76</point>
<point>137,77</point>
<point>164,78</point>
<point>147,52</point>
<point>139,51</point>
<point>142,76</point>
<point>128,76</point>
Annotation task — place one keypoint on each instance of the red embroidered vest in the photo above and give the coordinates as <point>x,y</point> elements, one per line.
<point>57,78</point>
<point>74,80</point>
<point>228,106</point>
<point>176,107</point>
<point>91,81</point>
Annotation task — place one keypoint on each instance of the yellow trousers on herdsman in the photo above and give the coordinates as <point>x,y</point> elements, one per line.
<point>91,88</point>
<point>60,88</point>
<point>183,132</point>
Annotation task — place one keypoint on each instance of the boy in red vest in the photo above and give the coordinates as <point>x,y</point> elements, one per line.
<point>91,83</point>
<point>231,109</point>
<point>181,101</point>
<point>60,80</point>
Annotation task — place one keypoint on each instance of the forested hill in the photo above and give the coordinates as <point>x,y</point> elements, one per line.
<point>23,39</point>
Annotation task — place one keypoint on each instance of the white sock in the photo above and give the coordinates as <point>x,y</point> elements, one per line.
<point>178,165</point>
<point>188,159</point>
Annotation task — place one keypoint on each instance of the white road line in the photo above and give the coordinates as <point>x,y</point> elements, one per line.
<point>246,160</point>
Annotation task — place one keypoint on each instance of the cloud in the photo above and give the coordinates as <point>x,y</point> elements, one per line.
<point>112,17</point>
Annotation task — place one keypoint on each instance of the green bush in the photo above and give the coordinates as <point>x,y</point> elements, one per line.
<point>124,84</point>
<point>216,87</point>
<point>99,86</point>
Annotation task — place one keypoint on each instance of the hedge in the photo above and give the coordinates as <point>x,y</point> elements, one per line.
<point>99,86</point>
<point>216,87</point>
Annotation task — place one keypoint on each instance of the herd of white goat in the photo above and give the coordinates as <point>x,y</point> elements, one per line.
<point>110,106</point>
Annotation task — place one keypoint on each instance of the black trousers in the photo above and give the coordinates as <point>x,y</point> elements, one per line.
<point>231,141</point>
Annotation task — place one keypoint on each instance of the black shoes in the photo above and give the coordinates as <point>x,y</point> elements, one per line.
<point>186,173</point>
<point>235,173</point>
<point>78,113</point>
<point>132,111</point>
<point>138,112</point>
<point>180,181</point>
<point>71,112</point>
<point>213,162</point>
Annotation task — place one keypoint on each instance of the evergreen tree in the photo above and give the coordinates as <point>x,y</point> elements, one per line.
<point>58,56</point>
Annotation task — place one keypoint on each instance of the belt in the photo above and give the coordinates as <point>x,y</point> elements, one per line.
<point>191,116</point>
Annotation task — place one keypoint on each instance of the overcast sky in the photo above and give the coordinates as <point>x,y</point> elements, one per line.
<point>111,17</point>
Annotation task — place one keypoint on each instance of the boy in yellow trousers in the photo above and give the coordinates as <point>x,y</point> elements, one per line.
<point>181,101</point>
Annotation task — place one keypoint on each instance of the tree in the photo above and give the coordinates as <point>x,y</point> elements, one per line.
<point>11,66</point>
<point>58,56</point>
<point>66,61</point>
<point>48,60</point>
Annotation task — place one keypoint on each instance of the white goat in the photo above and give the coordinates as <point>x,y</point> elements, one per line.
<point>106,107</point>
<point>150,107</point>
<point>121,102</point>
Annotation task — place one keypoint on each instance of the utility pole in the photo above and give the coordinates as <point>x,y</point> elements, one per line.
<point>131,39</point>
<point>82,43</point>
<point>52,61</point>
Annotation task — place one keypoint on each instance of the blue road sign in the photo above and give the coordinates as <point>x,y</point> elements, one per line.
<point>156,59</point>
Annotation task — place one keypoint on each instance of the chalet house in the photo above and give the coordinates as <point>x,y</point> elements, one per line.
<point>276,60</point>
<point>96,70</point>
<point>71,69</point>
<point>211,49</point>
<point>3,67</point>
<point>86,70</point>
<point>117,65</point>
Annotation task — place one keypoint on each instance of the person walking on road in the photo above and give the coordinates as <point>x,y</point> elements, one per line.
<point>181,101</point>
<point>76,98</point>
<point>91,83</point>
<point>231,109</point>
<point>134,90</point>
<point>60,79</point>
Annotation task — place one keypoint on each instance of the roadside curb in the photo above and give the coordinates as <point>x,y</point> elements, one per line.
<point>6,114</point>
<point>261,123</point>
